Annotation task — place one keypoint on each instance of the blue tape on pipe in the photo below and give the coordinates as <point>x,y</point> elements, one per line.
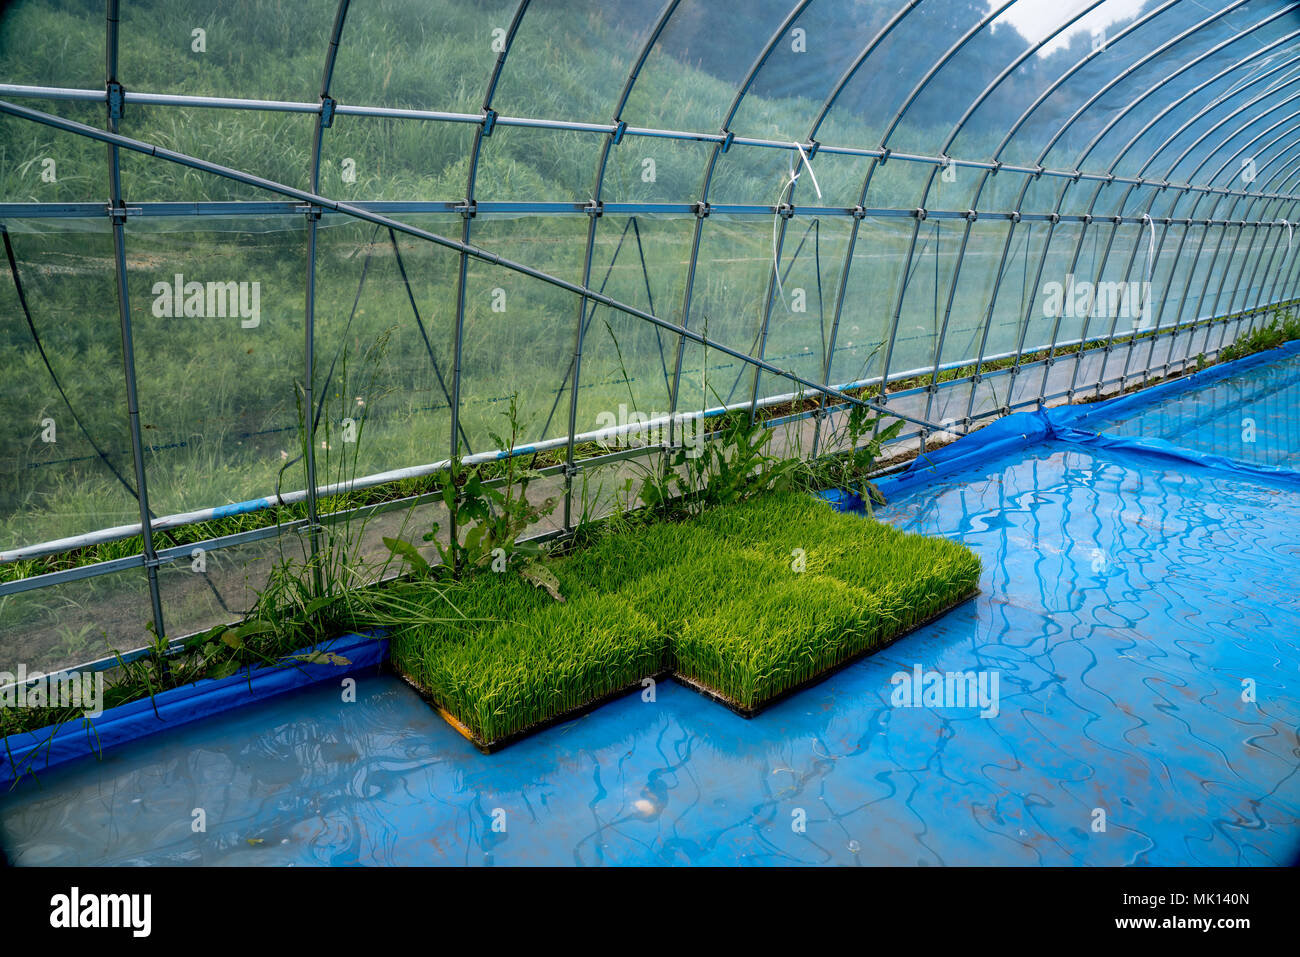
<point>37,751</point>
<point>239,508</point>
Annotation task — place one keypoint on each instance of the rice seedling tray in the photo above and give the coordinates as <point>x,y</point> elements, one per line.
<point>749,712</point>
<point>490,747</point>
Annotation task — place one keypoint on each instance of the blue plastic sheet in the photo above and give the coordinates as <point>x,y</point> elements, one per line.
<point>1274,373</point>
<point>1138,603</point>
<point>38,751</point>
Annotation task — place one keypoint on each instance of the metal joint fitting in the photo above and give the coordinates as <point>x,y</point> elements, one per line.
<point>859,212</point>
<point>1014,217</point>
<point>327,107</point>
<point>489,120</point>
<point>118,214</point>
<point>595,208</point>
<point>727,138</point>
<point>701,210</point>
<point>785,210</point>
<point>468,209</point>
<point>919,213</point>
<point>116,99</point>
<point>619,130</point>
<point>971,215</point>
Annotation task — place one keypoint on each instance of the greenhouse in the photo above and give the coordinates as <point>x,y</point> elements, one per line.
<point>650,432</point>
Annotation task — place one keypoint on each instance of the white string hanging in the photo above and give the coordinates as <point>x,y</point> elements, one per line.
<point>1144,296</point>
<point>1151,243</point>
<point>776,219</point>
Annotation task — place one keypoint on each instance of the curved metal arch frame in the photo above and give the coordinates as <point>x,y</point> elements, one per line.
<point>1002,145</point>
<point>314,527</point>
<point>597,192</point>
<point>1254,201</point>
<point>691,271</point>
<point>851,243</point>
<point>768,300</point>
<point>1046,247</point>
<point>1223,228</point>
<point>1146,58</point>
<point>117,211</point>
<point>873,165</point>
<point>365,215</point>
<point>1118,157</point>
<point>1184,127</point>
<point>1170,107</point>
<point>979,100</point>
<point>1192,270</point>
<point>1219,172</point>
<point>1010,234</point>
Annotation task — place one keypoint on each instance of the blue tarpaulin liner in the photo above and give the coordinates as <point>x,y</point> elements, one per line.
<point>1138,604</point>
<point>1085,424</point>
<point>40,750</point>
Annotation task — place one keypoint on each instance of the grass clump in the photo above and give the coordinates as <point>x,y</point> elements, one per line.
<point>747,602</point>
<point>1278,330</point>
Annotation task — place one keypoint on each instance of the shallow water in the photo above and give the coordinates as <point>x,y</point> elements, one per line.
<point>1253,417</point>
<point>1141,620</point>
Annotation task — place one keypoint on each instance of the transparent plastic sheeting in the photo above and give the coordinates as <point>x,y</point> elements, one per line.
<point>875,126</point>
<point>1129,589</point>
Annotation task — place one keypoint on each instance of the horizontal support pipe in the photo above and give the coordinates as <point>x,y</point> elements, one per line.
<point>16,211</point>
<point>603,129</point>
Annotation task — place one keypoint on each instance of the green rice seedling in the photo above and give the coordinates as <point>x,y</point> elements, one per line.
<point>516,674</point>
<point>748,601</point>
